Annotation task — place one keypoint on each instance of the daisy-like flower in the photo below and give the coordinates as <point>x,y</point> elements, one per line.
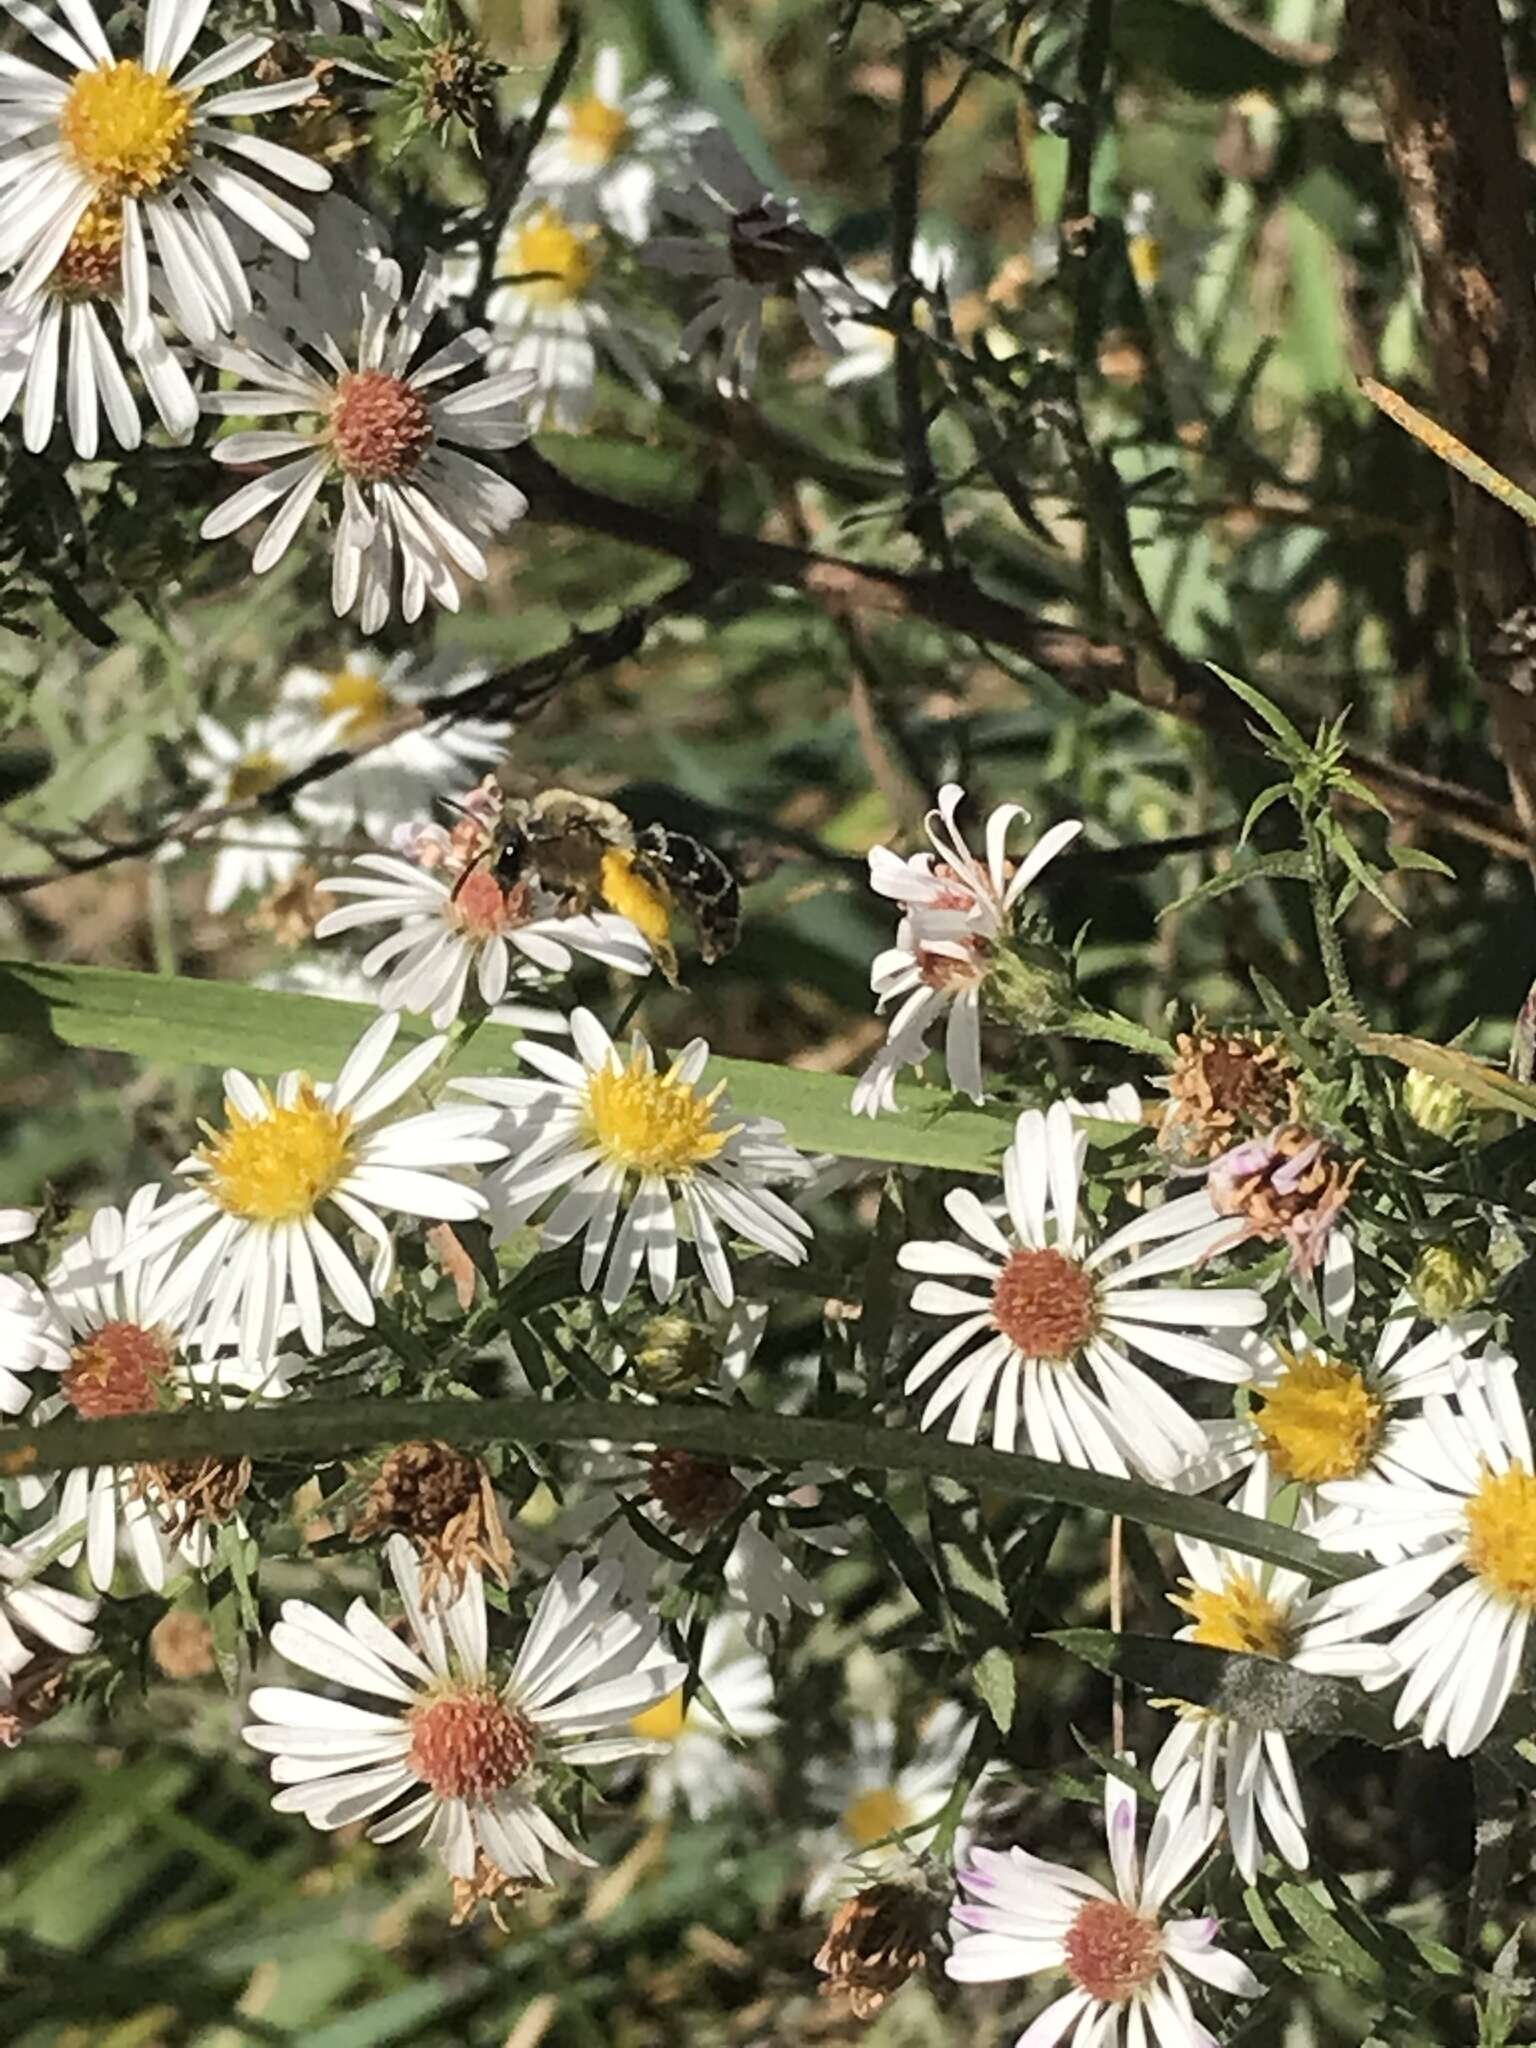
<point>602,155</point>
<point>453,920</point>
<point>959,939</point>
<point>698,1765</point>
<point>887,1813</point>
<point>751,246</point>
<point>136,134</point>
<point>1238,1603</point>
<point>31,1614</point>
<point>1059,1306</point>
<point>353,704</point>
<point>61,327</point>
<point>549,315</point>
<point>869,351</point>
<point>455,1747</point>
<point>250,1232</point>
<point>366,428</point>
<point>266,848</point>
<point>1463,1502</point>
<point>1126,1960</point>
<point>622,1135</point>
<point>1330,1409</point>
<point>118,1345</point>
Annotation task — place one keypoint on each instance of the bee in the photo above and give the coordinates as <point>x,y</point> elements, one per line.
<point>590,855</point>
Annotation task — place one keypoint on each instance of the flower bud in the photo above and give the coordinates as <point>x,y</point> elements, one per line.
<point>1439,1107</point>
<point>1449,1279</point>
<point>674,1354</point>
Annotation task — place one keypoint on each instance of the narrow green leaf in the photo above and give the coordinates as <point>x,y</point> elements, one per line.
<point>1285,865</point>
<point>1276,793</point>
<point>1485,1084</point>
<point>1415,857</point>
<point>1108,1028</point>
<point>1318,1921</point>
<point>997,1685</point>
<point>1299,750</point>
<point>1368,877</point>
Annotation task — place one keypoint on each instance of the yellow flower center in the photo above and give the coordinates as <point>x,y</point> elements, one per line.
<point>596,132</point>
<point>652,1122</point>
<point>1501,1534</point>
<point>663,1722</point>
<point>628,892</point>
<point>129,130</point>
<point>875,1814</point>
<point>359,694</point>
<point>281,1165</point>
<point>1239,1616</point>
<point>91,266</point>
<point>1319,1421</point>
<point>556,261</point>
<point>253,775</point>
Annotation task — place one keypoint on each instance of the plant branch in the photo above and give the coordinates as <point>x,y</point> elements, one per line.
<point>313,1431</point>
<point>925,511</point>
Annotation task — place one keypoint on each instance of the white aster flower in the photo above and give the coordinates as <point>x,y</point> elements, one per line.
<point>452,1747</point>
<point>751,246</point>
<point>959,917</point>
<point>32,1613</point>
<point>550,316</point>
<point>119,1347</point>
<point>262,850</point>
<point>1059,1306</point>
<point>602,155</point>
<point>453,921</point>
<point>1127,1962</point>
<point>1463,1502</point>
<point>58,337</point>
<point>413,508</point>
<point>870,351</point>
<point>887,1812</point>
<point>617,1135</point>
<point>698,1763</point>
<point>353,704</point>
<point>129,133</point>
<point>1324,1410</point>
<point>250,1230</point>
<point>1261,1610</point>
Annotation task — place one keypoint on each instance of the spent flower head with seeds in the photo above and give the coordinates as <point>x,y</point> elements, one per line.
<point>370,433</point>
<point>253,1246</point>
<point>1127,1961</point>
<point>963,947</point>
<point>140,137</point>
<point>442,1500</point>
<point>455,1747</point>
<point>612,1136</point>
<point>1062,1303</point>
<point>1223,1087</point>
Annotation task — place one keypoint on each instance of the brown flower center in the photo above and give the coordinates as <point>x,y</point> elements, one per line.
<point>768,250</point>
<point>379,427</point>
<point>479,906</point>
<point>1112,1953</point>
<point>119,1369</point>
<point>469,1744</point>
<point>1046,1305</point>
<point>691,1492</point>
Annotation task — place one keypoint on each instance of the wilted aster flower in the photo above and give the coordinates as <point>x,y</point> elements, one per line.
<point>127,135</point>
<point>1287,1187</point>
<point>413,508</point>
<point>753,247</point>
<point>958,945</point>
<point>1224,1086</point>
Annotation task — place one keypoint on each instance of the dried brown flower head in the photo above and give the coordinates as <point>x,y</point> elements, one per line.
<point>443,1501</point>
<point>877,1939</point>
<point>1224,1086</point>
<point>35,1696</point>
<point>181,1644</point>
<point>1288,1187</point>
<point>693,1493</point>
<point>489,1887</point>
<point>192,1493</point>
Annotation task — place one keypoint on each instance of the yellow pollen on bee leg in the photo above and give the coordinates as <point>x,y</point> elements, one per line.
<point>1501,1534</point>
<point>129,130</point>
<point>626,891</point>
<point>280,1166</point>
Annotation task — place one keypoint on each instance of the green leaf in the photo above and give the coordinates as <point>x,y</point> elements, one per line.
<point>1111,1029</point>
<point>1318,1920</point>
<point>1368,877</point>
<point>1297,750</point>
<point>1286,865</point>
<point>1486,1085</point>
<point>997,1685</point>
<point>1257,1689</point>
<point>1415,857</point>
<point>179,1021</point>
<point>1274,794</point>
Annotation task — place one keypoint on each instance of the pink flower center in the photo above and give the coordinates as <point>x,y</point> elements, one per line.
<point>479,906</point>
<point>120,1369</point>
<point>1112,1953</point>
<point>1046,1305</point>
<point>469,1744</point>
<point>379,427</point>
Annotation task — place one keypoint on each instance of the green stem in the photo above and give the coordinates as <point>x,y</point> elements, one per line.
<point>1328,942</point>
<point>311,1431</point>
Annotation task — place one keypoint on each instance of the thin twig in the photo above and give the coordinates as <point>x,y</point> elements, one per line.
<point>925,510</point>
